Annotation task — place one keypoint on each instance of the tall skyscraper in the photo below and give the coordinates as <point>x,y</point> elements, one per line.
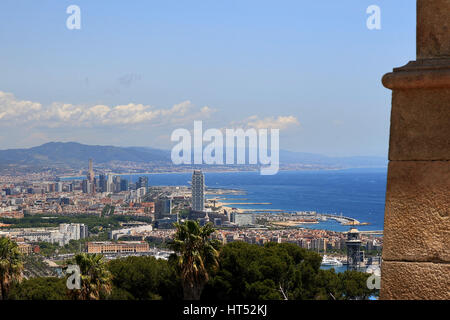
<point>116,182</point>
<point>91,177</point>
<point>86,186</point>
<point>90,174</point>
<point>103,179</point>
<point>142,183</point>
<point>123,185</point>
<point>59,186</point>
<point>109,183</point>
<point>198,191</point>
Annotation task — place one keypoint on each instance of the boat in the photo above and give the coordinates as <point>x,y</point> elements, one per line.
<point>162,255</point>
<point>326,261</point>
<point>375,269</point>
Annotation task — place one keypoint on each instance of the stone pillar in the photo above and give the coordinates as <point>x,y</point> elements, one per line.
<point>416,252</point>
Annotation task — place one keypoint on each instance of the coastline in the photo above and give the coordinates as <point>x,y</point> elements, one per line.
<point>226,171</point>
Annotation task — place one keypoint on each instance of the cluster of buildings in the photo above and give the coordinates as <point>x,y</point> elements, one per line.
<point>70,198</point>
<point>72,203</point>
<point>111,183</point>
<point>100,195</point>
<point>311,239</point>
<point>60,236</point>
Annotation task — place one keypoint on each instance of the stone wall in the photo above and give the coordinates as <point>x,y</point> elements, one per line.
<point>416,250</point>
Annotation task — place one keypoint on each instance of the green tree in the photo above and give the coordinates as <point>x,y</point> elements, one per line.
<point>41,288</point>
<point>195,256</point>
<point>328,286</point>
<point>353,285</point>
<point>144,278</point>
<point>279,272</point>
<point>11,266</point>
<point>95,277</point>
<point>254,272</point>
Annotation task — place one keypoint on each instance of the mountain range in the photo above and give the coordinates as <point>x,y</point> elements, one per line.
<point>73,153</point>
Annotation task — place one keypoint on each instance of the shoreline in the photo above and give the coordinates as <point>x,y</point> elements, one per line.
<point>223,171</point>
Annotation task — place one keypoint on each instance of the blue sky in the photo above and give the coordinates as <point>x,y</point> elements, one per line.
<point>310,67</point>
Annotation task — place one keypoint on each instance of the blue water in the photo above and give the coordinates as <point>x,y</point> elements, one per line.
<point>356,193</point>
<point>336,269</point>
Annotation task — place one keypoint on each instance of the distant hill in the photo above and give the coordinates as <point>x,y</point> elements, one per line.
<point>72,154</point>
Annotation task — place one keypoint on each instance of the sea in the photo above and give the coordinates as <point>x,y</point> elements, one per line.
<point>355,193</point>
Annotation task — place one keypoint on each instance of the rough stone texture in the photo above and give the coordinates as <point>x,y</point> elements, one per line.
<point>415,281</point>
<point>417,220</point>
<point>433,28</point>
<point>420,124</point>
<point>417,215</point>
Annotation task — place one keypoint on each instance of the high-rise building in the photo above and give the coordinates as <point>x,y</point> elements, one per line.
<point>232,217</point>
<point>123,185</point>
<point>163,208</point>
<point>91,177</point>
<point>168,206</point>
<point>102,182</point>
<point>319,244</point>
<point>109,184</point>
<point>353,249</point>
<point>59,186</point>
<point>86,186</point>
<point>198,191</point>
<point>141,192</point>
<point>84,233</point>
<point>142,183</point>
<point>90,174</point>
<point>73,231</point>
<point>116,182</point>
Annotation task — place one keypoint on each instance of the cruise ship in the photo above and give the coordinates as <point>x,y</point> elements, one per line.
<point>326,261</point>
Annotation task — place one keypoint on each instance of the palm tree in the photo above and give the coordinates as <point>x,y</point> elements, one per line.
<point>11,266</point>
<point>95,277</point>
<point>195,257</point>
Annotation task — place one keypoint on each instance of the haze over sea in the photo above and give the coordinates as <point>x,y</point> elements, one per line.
<point>356,193</point>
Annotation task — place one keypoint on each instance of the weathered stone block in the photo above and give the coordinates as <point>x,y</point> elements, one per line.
<point>415,281</point>
<point>420,125</point>
<point>417,214</point>
<point>433,28</point>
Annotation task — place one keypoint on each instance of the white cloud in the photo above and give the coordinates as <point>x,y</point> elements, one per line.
<point>280,122</point>
<point>63,122</point>
<point>14,111</point>
<point>11,108</point>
